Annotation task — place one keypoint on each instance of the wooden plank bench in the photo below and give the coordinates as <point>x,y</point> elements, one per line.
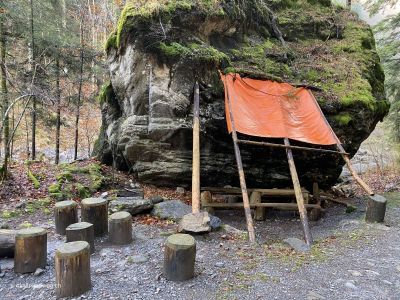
<point>255,200</point>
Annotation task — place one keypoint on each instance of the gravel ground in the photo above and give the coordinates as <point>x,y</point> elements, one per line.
<point>349,260</point>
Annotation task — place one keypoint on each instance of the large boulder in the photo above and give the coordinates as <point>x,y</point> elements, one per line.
<point>160,49</point>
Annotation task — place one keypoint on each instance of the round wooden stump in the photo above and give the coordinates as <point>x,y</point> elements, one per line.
<point>179,257</point>
<point>120,228</point>
<point>30,250</point>
<point>376,209</point>
<point>94,211</point>
<point>82,231</point>
<point>72,263</point>
<point>65,213</point>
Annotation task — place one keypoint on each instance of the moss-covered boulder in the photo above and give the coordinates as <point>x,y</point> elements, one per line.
<point>160,48</point>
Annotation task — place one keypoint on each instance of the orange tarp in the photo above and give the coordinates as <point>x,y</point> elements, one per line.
<point>270,109</point>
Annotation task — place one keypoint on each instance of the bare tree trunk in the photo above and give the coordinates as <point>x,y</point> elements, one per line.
<point>349,3</point>
<point>32,57</point>
<point>58,97</point>
<point>4,94</point>
<point>78,104</point>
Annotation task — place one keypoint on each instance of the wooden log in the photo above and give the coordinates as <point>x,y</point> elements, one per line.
<point>94,211</point>
<point>376,209</point>
<point>82,231</point>
<point>206,198</point>
<point>30,250</point>
<point>179,257</point>
<point>299,195</point>
<point>283,206</point>
<point>196,152</point>
<point>120,228</point>
<point>7,243</point>
<point>72,264</point>
<point>259,212</point>
<point>65,213</point>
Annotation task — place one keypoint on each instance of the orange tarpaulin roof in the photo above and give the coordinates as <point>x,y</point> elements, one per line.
<point>270,109</point>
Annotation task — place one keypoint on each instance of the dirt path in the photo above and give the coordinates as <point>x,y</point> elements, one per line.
<point>350,260</point>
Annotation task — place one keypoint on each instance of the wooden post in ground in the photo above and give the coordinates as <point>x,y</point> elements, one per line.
<point>299,194</point>
<point>94,211</point>
<point>179,257</point>
<point>376,209</point>
<point>82,231</point>
<point>259,212</point>
<point>120,228</point>
<point>7,243</point>
<point>196,151</point>
<point>30,250</point>
<point>65,213</point>
<point>72,264</point>
<point>242,179</point>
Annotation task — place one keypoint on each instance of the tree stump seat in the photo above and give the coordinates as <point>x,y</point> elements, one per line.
<point>95,211</point>
<point>120,228</point>
<point>72,264</point>
<point>65,213</point>
<point>30,250</point>
<point>179,257</point>
<point>82,231</point>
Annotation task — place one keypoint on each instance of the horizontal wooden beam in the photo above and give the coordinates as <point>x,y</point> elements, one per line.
<point>264,192</point>
<point>273,205</point>
<point>264,144</point>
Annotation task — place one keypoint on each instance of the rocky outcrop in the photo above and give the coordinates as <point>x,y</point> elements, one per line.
<point>159,50</point>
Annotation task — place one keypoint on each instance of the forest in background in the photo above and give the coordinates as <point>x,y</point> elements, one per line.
<point>53,65</point>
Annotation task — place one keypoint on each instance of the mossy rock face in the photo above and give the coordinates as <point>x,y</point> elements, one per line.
<point>160,48</point>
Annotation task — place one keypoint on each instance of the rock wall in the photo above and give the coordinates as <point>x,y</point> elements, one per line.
<point>161,48</point>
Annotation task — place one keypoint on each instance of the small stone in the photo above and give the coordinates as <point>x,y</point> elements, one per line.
<point>138,259</point>
<point>38,272</point>
<point>2,274</point>
<point>355,273</point>
<point>387,282</point>
<point>297,244</point>
<point>104,195</point>
<point>232,230</point>
<point>21,205</point>
<point>215,222</point>
<point>156,199</point>
<point>220,264</point>
<point>350,285</point>
<point>196,223</point>
<point>180,190</point>
<point>314,296</point>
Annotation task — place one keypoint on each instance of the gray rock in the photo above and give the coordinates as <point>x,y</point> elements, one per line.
<point>133,205</point>
<point>180,190</point>
<point>350,285</point>
<point>171,210</point>
<point>196,223</point>
<point>220,264</point>
<point>215,222</point>
<point>136,192</point>
<point>232,230</point>
<point>38,272</point>
<point>297,244</point>
<point>156,199</point>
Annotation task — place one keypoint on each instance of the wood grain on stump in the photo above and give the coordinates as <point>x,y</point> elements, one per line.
<point>7,243</point>
<point>65,213</point>
<point>72,264</point>
<point>95,211</point>
<point>376,209</point>
<point>30,250</point>
<point>179,257</point>
<point>120,228</point>
<point>82,231</point>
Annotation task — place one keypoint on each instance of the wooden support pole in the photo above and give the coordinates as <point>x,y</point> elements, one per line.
<point>179,257</point>
<point>353,172</point>
<point>7,243</point>
<point>94,211</point>
<point>299,195</point>
<point>196,152</point>
<point>65,213</point>
<point>120,228</point>
<point>30,250</point>
<point>245,196</point>
<point>72,264</point>
<point>81,231</point>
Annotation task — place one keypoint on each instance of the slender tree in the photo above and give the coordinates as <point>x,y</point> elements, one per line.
<point>58,104</point>
<point>32,60</point>
<point>78,103</point>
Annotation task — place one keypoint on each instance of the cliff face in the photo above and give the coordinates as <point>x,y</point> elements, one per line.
<point>160,48</point>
